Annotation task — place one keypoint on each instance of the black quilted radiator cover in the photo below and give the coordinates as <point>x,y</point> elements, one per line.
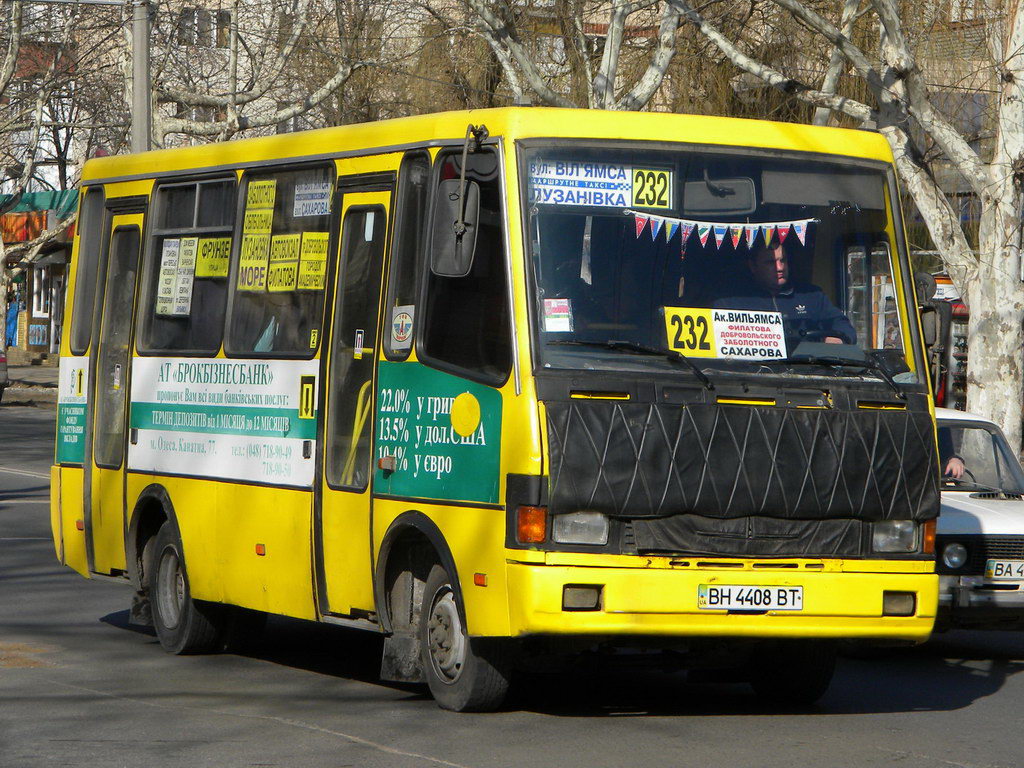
<point>644,461</point>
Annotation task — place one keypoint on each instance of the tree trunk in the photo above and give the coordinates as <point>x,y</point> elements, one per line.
<point>995,332</point>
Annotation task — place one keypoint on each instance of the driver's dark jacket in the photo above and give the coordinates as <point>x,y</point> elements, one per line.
<point>806,311</point>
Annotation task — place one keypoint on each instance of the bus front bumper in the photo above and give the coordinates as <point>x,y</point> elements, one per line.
<point>664,601</point>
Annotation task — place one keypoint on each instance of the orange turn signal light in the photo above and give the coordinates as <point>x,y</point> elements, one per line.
<point>531,525</point>
<point>261,550</point>
<point>928,538</point>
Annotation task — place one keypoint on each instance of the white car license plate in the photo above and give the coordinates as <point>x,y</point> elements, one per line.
<point>1004,569</point>
<point>745,597</point>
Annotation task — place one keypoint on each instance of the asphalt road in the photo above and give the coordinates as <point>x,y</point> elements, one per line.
<point>80,687</point>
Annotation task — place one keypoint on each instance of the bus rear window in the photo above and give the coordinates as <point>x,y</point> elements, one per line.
<point>187,267</point>
<point>281,272</point>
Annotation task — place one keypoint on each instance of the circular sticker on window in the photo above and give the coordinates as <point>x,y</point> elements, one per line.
<point>401,327</point>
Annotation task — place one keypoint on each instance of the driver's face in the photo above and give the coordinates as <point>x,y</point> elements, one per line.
<point>770,269</point>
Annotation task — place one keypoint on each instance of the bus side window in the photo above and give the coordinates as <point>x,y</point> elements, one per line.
<point>406,254</point>
<point>350,418</point>
<point>187,267</point>
<point>466,320</point>
<point>90,246</point>
<point>279,278</point>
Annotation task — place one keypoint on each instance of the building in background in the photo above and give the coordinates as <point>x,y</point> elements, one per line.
<point>36,295</point>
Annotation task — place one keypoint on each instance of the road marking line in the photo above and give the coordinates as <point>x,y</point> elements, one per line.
<point>42,500</point>
<point>25,538</point>
<point>271,718</point>
<point>25,472</point>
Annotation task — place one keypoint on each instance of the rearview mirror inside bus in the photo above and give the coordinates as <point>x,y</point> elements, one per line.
<point>452,245</point>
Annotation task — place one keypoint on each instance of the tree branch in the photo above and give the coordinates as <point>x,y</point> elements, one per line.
<point>645,88</point>
<point>499,35</point>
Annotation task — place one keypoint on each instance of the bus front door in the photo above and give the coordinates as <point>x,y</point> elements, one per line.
<point>342,508</point>
<point>109,376</point>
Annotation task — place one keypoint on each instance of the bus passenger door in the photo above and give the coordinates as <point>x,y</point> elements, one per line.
<point>342,513</point>
<point>110,368</point>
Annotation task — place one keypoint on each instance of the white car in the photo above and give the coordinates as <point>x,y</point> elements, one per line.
<point>979,542</point>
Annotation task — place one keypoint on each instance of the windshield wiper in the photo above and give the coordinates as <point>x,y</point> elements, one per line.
<point>867,364</point>
<point>964,485</point>
<point>631,346</point>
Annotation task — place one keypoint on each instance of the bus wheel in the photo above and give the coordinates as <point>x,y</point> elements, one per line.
<point>792,674</point>
<point>464,674</point>
<point>183,625</point>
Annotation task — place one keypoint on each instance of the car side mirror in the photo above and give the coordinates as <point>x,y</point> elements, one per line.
<point>453,235</point>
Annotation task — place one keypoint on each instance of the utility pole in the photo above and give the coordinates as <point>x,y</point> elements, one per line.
<point>141,100</point>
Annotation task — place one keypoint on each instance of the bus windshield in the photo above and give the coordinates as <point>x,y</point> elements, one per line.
<point>743,261</point>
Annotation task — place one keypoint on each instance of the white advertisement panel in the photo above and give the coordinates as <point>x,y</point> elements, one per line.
<point>248,420</point>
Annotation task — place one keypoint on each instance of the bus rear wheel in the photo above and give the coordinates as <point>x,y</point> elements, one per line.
<point>183,625</point>
<point>465,674</point>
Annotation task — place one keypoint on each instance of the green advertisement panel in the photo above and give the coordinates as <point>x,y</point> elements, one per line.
<point>72,409</point>
<point>440,433</point>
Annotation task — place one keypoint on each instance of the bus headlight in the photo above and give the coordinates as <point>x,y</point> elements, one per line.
<point>954,556</point>
<point>894,536</point>
<point>580,528</point>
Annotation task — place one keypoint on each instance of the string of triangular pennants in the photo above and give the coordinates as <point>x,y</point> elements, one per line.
<point>717,230</point>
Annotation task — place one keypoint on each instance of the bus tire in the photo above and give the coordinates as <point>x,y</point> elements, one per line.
<point>183,625</point>
<point>464,674</point>
<point>793,673</point>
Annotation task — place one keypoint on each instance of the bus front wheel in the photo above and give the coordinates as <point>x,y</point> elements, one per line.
<point>183,625</point>
<point>465,674</point>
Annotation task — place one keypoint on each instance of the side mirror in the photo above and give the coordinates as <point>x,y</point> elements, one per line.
<point>929,325</point>
<point>451,250</point>
<point>936,321</point>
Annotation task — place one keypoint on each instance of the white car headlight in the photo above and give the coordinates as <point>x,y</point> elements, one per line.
<point>894,536</point>
<point>954,555</point>
<point>580,528</point>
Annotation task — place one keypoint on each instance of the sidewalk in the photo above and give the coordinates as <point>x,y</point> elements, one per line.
<point>32,385</point>
<point>33,376</point>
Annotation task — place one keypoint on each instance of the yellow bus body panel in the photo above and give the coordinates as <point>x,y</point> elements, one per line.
<point>476,538</point>
<point>72,539</point>
<point>55,517</point>
<point>220,526</point>
<point>663,601</point>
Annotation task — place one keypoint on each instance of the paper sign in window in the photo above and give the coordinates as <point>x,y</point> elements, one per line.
<point>261,194</point>
<point>252,262</point>
<point>212,259</point>
<point>186,274</point>
<point>312,199</point>
<point>313,261</point>
<point>284,263</point>
<point>726,333</point>
<point>258,221</point>
<point>168,279</point>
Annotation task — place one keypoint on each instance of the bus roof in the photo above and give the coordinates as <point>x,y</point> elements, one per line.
<point>511,123</point>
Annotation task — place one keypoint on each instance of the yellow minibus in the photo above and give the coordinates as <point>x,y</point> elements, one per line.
<point>499,384</point>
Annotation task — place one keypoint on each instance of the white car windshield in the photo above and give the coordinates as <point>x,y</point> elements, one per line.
<point>976,457</point>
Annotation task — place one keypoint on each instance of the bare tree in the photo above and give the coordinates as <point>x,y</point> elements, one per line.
<point>579,53</point>
<point>37,64</point>
<point>254,67</point>
<point>901,103</point>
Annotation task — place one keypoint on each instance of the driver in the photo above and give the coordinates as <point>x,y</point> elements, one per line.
<point>804,307</point>
<point>952,464</point>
